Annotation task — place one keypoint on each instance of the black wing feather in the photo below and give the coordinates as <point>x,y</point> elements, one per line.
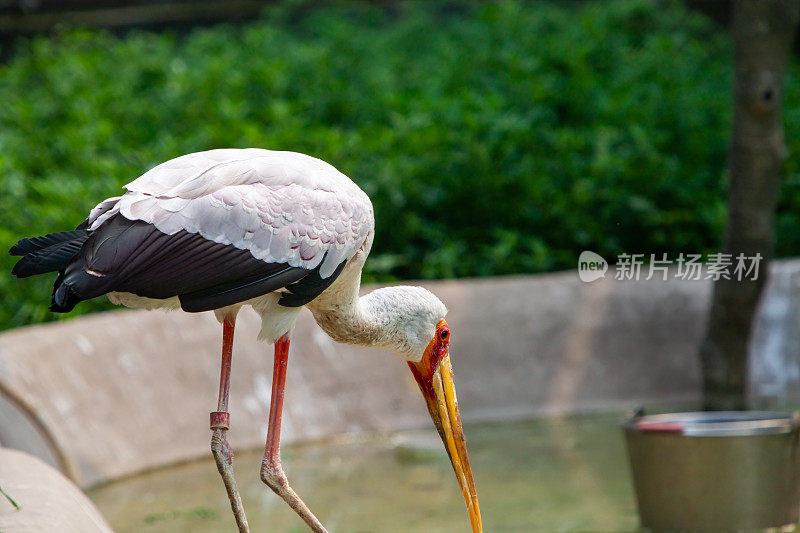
<point>241,290</point>
<point>133,256</point>
<point>308,288</point>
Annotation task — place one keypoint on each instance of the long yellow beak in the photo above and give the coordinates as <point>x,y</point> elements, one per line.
<point>440,396</point>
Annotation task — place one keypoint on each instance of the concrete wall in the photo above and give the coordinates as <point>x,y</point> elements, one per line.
<point>775,344</point>
<point>115,393</point>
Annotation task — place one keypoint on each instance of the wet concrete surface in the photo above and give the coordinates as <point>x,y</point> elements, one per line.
<point>555,475</point>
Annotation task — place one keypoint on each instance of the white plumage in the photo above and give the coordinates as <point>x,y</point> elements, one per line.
<point>284,207</point>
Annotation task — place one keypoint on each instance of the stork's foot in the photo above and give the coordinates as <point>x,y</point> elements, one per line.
<point>272,474</point>
<point>223,455</point>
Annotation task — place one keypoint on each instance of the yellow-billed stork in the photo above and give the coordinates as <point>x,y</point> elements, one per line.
<point>220,229</point>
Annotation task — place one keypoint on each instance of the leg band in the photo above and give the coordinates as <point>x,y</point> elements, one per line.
<point>220,420</point>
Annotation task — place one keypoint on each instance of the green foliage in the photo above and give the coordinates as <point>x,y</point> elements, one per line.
<point>493,138</point>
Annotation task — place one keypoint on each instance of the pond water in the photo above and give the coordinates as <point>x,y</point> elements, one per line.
<point>554,475</point>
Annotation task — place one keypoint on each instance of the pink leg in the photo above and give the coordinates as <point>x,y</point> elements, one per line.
<point>271,469</point>
<point>220,420</point>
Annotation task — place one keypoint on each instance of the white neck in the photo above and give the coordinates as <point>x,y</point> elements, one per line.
<point>340,312</point>
<point>402,318</point>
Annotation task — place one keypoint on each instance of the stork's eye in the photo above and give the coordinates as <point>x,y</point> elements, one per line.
<point>444,334</point>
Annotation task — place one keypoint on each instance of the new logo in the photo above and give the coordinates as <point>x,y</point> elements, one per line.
<point>591,266</point>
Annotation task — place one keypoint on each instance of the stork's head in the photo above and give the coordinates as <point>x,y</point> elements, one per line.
<point>418,332</point>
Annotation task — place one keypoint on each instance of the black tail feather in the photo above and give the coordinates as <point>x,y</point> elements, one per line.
<point>34,244</point>
<point>50,259</point>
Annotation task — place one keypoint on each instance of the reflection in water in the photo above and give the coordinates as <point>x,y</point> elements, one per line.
<point>543,475</point>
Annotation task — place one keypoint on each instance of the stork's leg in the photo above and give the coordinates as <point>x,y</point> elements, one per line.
<point>220,420</point>
<point>271,469</point>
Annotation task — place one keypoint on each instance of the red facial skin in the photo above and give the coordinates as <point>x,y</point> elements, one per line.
<point>437,348</point>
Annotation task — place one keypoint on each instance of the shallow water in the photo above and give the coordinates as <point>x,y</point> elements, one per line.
<point>554,475</point>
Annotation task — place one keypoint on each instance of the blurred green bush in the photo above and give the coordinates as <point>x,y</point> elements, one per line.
<point>493,138</point>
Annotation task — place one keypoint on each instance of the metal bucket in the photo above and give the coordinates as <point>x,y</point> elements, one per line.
<point>715,471</point>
